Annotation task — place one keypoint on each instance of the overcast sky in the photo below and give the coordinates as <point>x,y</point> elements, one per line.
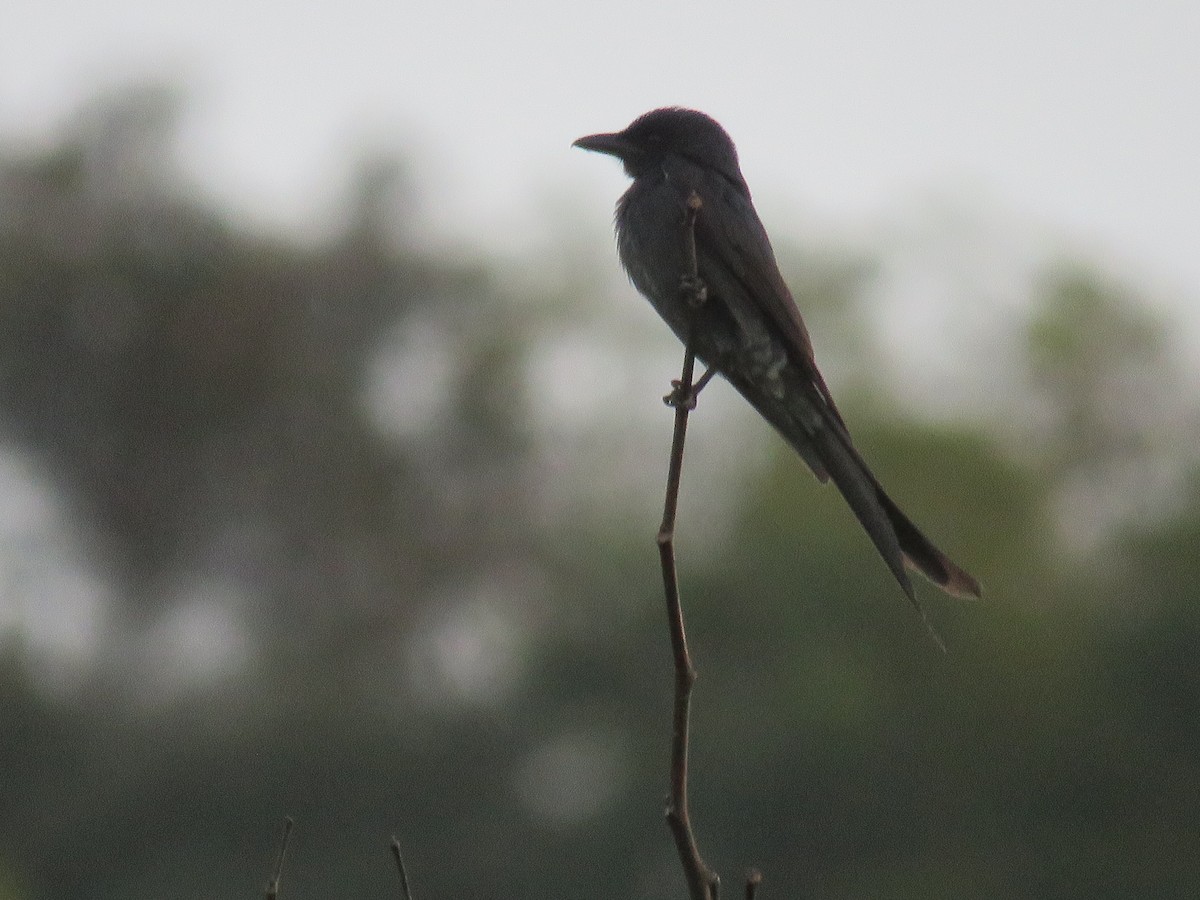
<point>1078,119</point>
<point>1082,116</point>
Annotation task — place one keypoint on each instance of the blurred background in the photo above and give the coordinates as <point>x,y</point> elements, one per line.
<point>332,451</point>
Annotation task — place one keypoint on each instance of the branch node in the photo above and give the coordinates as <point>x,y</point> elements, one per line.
<point>691,285</point>
<point>694,289</point>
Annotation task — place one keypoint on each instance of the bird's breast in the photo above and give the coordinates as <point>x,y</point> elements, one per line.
<point>655,247</point>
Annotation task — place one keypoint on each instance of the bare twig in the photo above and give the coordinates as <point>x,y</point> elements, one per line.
<point>753,880</point>
<point>272,892</point>
<point>405,893</point>
<point>703,882</point>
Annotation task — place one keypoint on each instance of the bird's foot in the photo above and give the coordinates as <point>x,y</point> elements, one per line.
<point>694,290</point>
<point>681,398</point>
<point>686,399</point>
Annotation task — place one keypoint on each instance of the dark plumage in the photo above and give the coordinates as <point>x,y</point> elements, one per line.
<point>749,328</point>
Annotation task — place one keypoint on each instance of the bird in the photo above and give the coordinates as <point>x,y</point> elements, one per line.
<point>692,243</point>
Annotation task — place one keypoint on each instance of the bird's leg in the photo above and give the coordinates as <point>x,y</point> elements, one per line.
<point>694,290</point>
<point>703,380</point>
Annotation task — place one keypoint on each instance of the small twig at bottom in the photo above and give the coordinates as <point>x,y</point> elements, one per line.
<point>405,893</point>
<point>753,880</point>
<point>277,873</point>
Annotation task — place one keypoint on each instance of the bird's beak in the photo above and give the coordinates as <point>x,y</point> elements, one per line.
<point>614,144</point>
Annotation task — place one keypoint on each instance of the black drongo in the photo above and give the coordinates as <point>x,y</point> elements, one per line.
<point>748,329</point>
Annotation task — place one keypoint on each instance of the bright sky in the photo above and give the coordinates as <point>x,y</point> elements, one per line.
<point>1082,116</point>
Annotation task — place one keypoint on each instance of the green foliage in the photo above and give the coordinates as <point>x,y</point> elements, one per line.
<point>433,648</point>
<point>1094,352</point>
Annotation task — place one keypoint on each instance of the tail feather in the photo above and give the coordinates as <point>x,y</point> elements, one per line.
<point>917,551</point>
<point>888,528</point>
<point>817,433</point>
<point>862,494</point>
<point>921,554</point>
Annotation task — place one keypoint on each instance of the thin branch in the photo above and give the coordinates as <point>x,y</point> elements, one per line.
<point>753,880</point>
<point>272,892</point>
<point>703,882</point>
<point>405,893</point>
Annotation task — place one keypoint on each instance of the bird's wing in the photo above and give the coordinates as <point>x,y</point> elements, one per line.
<point>732,241</point>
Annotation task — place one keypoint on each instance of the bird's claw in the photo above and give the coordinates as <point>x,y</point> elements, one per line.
<point>679,398</point>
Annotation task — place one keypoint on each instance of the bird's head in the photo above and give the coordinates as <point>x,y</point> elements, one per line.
<point>653,139</point>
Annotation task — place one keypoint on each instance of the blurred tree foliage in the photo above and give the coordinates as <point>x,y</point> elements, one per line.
<point>332,446</point>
